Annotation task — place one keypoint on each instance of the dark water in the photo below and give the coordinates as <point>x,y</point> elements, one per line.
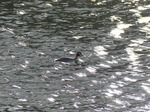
<point>113,75</point>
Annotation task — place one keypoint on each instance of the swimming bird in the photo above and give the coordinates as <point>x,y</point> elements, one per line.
<point>66,60</point>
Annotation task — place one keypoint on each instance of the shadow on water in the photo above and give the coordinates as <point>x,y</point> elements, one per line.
<point>113,74</point>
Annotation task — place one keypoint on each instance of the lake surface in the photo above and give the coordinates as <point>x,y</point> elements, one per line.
<point>112,76</point>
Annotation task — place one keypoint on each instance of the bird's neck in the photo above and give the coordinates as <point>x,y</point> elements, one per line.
<point>76,57</point>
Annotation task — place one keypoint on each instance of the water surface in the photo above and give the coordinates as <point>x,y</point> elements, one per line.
<point>112,76</point>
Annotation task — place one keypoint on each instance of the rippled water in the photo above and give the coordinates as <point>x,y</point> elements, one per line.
<point>112,76</point>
